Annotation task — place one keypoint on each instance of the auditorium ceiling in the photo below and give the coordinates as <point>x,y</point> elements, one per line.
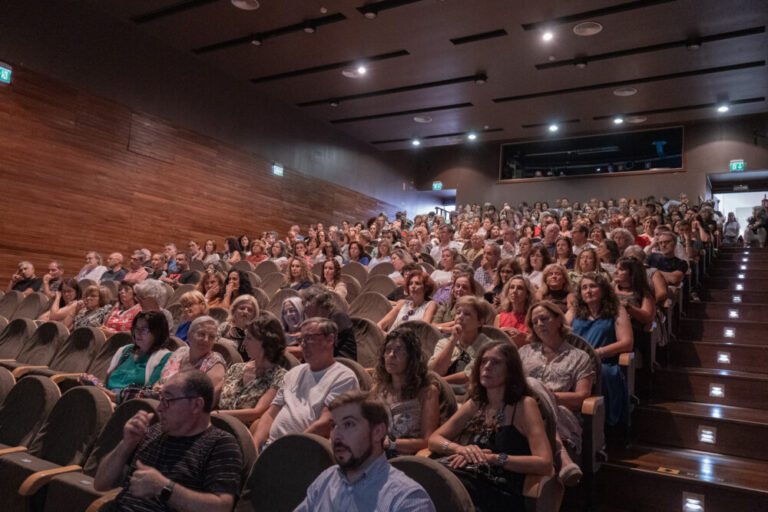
<point>478,66</point>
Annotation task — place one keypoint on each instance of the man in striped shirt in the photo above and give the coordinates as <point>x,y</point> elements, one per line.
<point>181,462</point>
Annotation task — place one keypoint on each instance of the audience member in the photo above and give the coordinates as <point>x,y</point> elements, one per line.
<point>115,270</point>
<point>24,279</point>
<point>64,305</point>
<point>243,311</point>
<point>318,302</point>
<point>534,266</point>
<point>237,284</point>
<point>193,305</point>
<point>169,251</point>
<point>93,308</point>
<point>331,278</point>
<point>53,279</point>
<point>210,256</point>
<point>93,269</point>
<point>556,287</point>
<point>182,275</point>
<point>416,306</point>
<point>120,318</point>
<point>517,297</point>
<point>445,241</point>
<point>486,272</point>
<point>212,287</point>
<point>298,275</point>
<point>137,272</point>
<point>463,284</point>
<point>158,267</point>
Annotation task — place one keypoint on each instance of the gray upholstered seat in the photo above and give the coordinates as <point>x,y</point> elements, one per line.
<point>369,338</point>
<point>445,488</point>
<point>371,305</point>
<point>14,337</point>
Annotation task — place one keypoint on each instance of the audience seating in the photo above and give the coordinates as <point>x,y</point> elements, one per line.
<point>168,293</point>
<point>3,323</point>
<point>7,381</point>
<point>72,356</point>
<point>275,305</point>
<point>40,348</point>
<point>290,361</point>
<point>243,266</point>
<point>33,305</point>
<point>382,269</point>
<point>317,269</point>
<point>112,286</point>
<point>197,265</point>
<point>379,283</point>
<point>445,488</point>
<point>13,338</point>
<point>262,299</point>
<point>61,445</point>
<point>495,333</point>
<point>363,377</point>
<point>369,339</point>
<point>371,305</point>
<point>9,302</point>
<point>446,397</point>
<point>23,411</point>
<point>428,334</point>
<point>243,437</point>
<point>177,313</point>
<point>275,484</point>
<point>356,270</point>
<point>85,283</point>
<point>265,268</point>
<point>180,290</point>
<point>353,286</point>
<point>174,343</point>
<point>97,366</point>
<point>254,279</point>
<point>220,314</point>
<point>339,304</point>
<point>427,267</point>
<point>272,282</point>
<point>228,352</point>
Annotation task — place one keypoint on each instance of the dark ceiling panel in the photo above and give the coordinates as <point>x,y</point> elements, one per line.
<point>595,13</point>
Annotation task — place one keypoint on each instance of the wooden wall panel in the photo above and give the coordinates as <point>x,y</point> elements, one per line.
<point>79,172</point>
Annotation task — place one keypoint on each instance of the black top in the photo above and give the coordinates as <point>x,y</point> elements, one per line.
<point>25,284</point>
<point>345,346</point>
<point>673,264</point>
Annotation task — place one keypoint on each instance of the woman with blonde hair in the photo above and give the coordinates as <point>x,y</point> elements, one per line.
<point>194,305</point>
<point>243,311</point>
<point>556,286</point>
<point>298,275</point>
<point>516,299</point>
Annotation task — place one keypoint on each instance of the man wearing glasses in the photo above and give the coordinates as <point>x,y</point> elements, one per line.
<point>301,404</point>
<point>181,462</point>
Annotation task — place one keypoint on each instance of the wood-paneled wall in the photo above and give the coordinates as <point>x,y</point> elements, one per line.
<point>78,172</point>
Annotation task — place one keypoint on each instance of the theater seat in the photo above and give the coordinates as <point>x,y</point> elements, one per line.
<point>363,377</point>
<point>276,484</point>
<point>369,339</point>
<point>253,278</point>
<point>339,304</point>
<point>243,437</point>
<point>31,307</point>
<point>262,299</point>
<point>379,283</point>
<point>7,381</point>
<point>266,267</point>
<point>275,305</point>
<point>9,302</point>
<point>243,266</point>
<point>228,352</point>
<point>178,292</point>
<point>40,348</point>
<point>112,286</point>
<point>177,313</point>
<point>272,282</point>
<point>85,283</point>
<point>73,356</point>
<point>353,286</point>
<point>446,398</point>
<point>428,334</point>
<point>544,493</point>
<point>220,314</point>
<point>3,323</point>
<point>444,488</point>
<point>384,269</point>
<point>14,336</point>
<point>24,409</point>
<point>495,333</point>
<point>370,305</point>
<point>98,365</point>
<point>355,270</point>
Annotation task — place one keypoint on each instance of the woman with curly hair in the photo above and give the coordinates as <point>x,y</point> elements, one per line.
<point>237,284</point>
<point>402,382</point>
<point>556,287</point>
<point>417,304</point>
<point>212,287</point>
<point>298,275</point>
<point>533,269</point>
<point>331,278</point>
<point>516,298</point>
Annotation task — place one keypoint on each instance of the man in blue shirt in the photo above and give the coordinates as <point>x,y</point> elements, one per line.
<point>363,479</point>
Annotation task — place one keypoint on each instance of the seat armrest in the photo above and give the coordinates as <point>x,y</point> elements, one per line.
<point>36,481</point>
<point>59,377</point>
<point>426,452</point>
<point>105,499</point>
<point>7,360</point>
<point>533,485</point>
<point>626,358</point>
<point>591,405</point>
<point>593,434</point>
<point>12,449</point>
<point>23,370</point>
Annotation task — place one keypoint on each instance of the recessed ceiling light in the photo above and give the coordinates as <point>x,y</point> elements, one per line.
<point>635,119</point>
<point>361,70</point>
<point>246,5</point>
<point>416,142</point>
<point>422,119</point>
<point>257,41</point>
<point>472,136</point>
<point>547,36</point>
<point>486,127</point>
<point>309,29</point>
<point>357,72</point>
<point>581,63</point>
<point>587,28</point>
<point>551,58</point>
<point>618,120</point>
<point>323,10</point>
<point>723,108</point>
<point>481,79</point>
<point>370,15</point>
<point>553,128</point>
<point>334,103</point>
<point>625,91</point>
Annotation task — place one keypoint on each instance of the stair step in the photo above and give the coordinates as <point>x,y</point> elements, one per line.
<point>718,355</point>
<point>746,284</point>
<point>744,296</point>
<point>736,265</point>
<point>727,311</point>
<point>654,479</point>
<point>751,256</point>
<point>731,330</point>
<point>710,386</point>
<point>733,273</point>
<point>715,428</point>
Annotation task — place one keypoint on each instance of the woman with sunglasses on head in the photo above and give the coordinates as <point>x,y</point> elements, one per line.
<point>416,305</point>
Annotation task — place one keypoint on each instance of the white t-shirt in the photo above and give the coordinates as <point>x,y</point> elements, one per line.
<point>305,393</point>
<point>437,250</point>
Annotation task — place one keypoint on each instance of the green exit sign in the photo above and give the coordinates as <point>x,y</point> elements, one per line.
<point>5,73</point>
<point>437,185</point>
<point>737,165</point>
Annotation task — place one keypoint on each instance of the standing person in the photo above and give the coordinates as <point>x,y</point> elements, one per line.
<point>93,269</point>
<point>180,463</point>
<point>363,479</point>
<point>731,230</point>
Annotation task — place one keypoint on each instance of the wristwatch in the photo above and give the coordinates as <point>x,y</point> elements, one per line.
<point>165,494</point>
<point>502,459</point>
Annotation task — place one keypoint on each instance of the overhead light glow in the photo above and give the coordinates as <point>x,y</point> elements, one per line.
<point>416,142</point>
<point>618,120</point>
<point>361,70</point>
<point>547,36</point>
<point>722,109</point>
<point>472,136</point>
<point>553,128</point>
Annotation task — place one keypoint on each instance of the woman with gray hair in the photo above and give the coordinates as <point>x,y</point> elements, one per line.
<point>199,355</point>
<point>151,294</point>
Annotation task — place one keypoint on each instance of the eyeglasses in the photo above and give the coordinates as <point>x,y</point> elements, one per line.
<point>165,401</point>
<point>308,338</point>
<point>141,331</point>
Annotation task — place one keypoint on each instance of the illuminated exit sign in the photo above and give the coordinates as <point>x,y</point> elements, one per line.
<point>737,165</point>
<point>437,185</point>
<point>5,73</point>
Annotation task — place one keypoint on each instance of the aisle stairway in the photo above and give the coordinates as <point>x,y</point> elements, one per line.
<point>701,443</point>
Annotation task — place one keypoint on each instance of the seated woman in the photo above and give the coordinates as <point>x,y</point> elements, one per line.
<point>524,247</point>
<point>199,355</point>
<point>516,299</point>
<point>453,356</point>
<point>300,250</point>
<point>383,254</point>
<point>357,253</point>
<point>597,318</point>
<point>533,269</point>
<point>597,234</point>
<point>608,253</point>
<point>497,433</point>
<point>243,311</point>
<point>564,252</point>
<point>258,252</point>
<point>636,295</point>
<point>210,256</point>
<point>291,316</point>
<point>64,304</point>
<point>587,261</point>
<point>400,258</point>
<point>278,252</point>
<point>565,374</point>
<point>402,382</point>
<point>506,268</point>
<point>250,387</point>
<point>212,287</point>
<point>464,284</point>
<point>328,251</point>
<point>137,366</point>
<point>94,307</point>
<point>443,277</point>
<point>556,286</point>
<point>298,275</point>
<point>193,305</point>
<point>195,252</point>
<point>120,318</point>
<point>232,252</point>
<point>416,305</point>
<point>332,278</point>
<point>237,284</point>
<point>245,245</point>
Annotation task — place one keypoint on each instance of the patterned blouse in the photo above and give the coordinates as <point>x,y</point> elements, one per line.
<point>561,374</point>
<point>93,319</point>
<point>173,365</point>
<point>120,319</point>
<point>237,395</point>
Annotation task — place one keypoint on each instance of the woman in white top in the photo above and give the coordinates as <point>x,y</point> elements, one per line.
<point>400,258</point>
<point>538,258</point>
<point>384,254</point>
<point>418,289</point>
<point>445,276</point>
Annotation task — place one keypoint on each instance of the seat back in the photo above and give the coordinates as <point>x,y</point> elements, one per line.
<point>428,335</point>
<point>253,278</point>
<point>85,283</point>
<point>72,426</point>
<point>243,266</point>
<point>25,408</point>
<point>243,437</point>
<point>371,305</point>
<point>290,361</point>
<point>582,344</point>
<point>180,290</point>
<point>228,352</point>
<point>268,489</point>
<point>426,267</point>
<point>356,270</point>
<point>10,302</point>
<point>339,304</point>
<point>42,346</point>
<point>177,313</point>
<point>275,305</point>
<point>384,269</point>
<point>446,398</point>
<point>262,299</point>
<point>380,283</point>
<point>445,488</point>
<point>14,337</point>
<point>369,339</point>
<point>7,381</point>
<point>317,269</point>
<point>112,286</point>
<point>100,362</point>
<point>363,377</point>
<point>265,268</point>
<point>353,286</point>
<point>220,314</point>
<point>197,265</point>
<point>174,343</point>
<point>78,350</point>
<point>112,433</point>
<point>31,307</point>
<point>272,282</point>
<point>495,333</point>
<point>3,323</point>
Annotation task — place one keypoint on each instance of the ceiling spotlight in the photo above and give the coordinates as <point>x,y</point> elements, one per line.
<point>257,41</point>
<point>587,28</point>
<point>693,44</point>
<point>481,78</point>
<point>334,103</point>
<point>323,10</point>
<point>246,5</point>
<point>415,142</point>
<point>547,36</point>
<point>625,91</point>
<point>361,70</point>
<point>553,128</point>
<point>618,120</point>
<point>581,63</point>
<point>636,119</point>
<point>723,108</point>
<point>422,119</point>
<point>309,29</point>
<point>472,136</point>
<point>371,15</point>
<point>551,58</point>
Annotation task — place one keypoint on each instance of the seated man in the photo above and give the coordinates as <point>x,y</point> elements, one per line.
<point>318,301</point>
<point>24,279</point>
<point>170,256</point>
<point>93,269</point>
<point>486,272</point>
<point>301,404</point>
<point>182,462</point>
<point>363,479</point>
<point>671,269</point>
<point>474,248</point>
<point>52,280</point>
<point>137,272</point>
<point>157,270</point>
<point>182,275</point>
<point>115,271</point>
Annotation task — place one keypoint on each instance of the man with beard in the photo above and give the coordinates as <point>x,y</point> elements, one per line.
<point>363,479</point>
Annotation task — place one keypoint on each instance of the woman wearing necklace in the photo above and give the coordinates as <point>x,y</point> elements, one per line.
<point>637,297</point>
<point>416,306</point>
<point>497,436</point>
<point>556,286</point>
